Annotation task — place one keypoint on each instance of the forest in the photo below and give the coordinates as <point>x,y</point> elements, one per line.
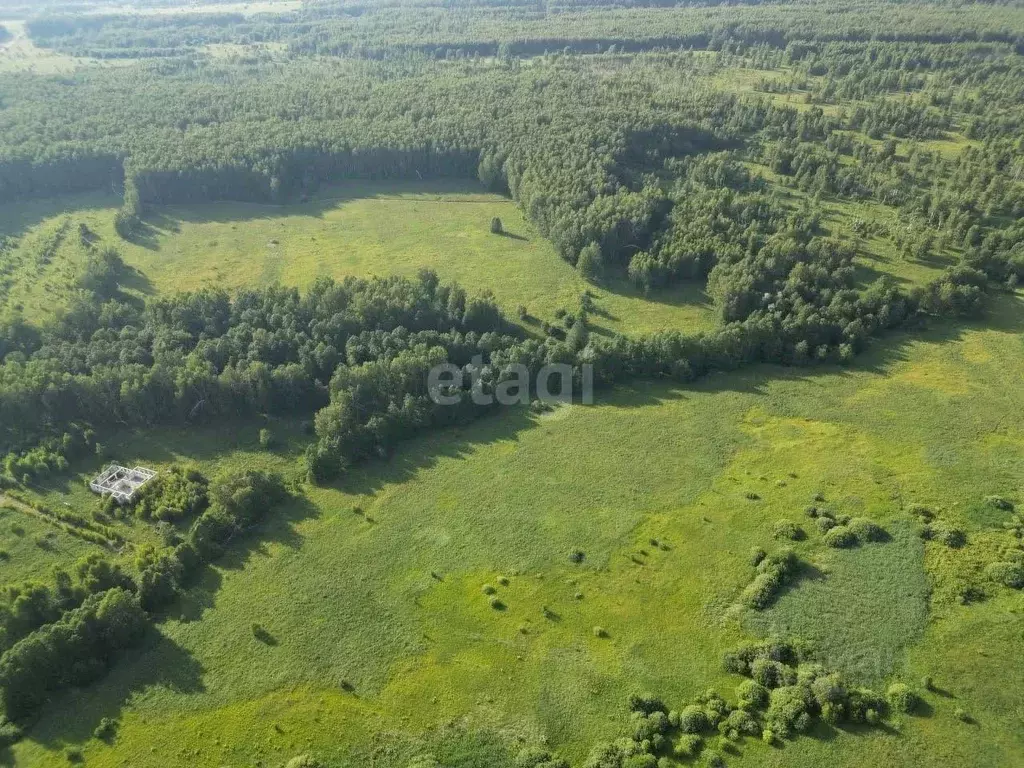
<point>764,153</point>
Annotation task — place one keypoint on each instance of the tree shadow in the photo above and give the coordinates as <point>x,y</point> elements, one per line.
<point>169,217</point>
<point>459,442</point>
<point>512,236</point>
<point>278,527</point>
<point>158,662</point>
<point>685,293</point>
<point>22,215</point>
<point>425,451</point>
<point>197,597</point>
<point>923,709</point>
<point>864,274</point>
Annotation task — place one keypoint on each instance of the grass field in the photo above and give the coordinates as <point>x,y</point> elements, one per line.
<point>360,229</point>
<point>349,598</point>
<point>33,547</point>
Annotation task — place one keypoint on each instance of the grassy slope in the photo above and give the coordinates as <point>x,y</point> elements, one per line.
<point>350,597</point>
<point>34,547</point>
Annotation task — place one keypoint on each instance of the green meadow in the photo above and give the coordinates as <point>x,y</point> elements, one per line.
<point>360,229</point>
<point>373,590</point>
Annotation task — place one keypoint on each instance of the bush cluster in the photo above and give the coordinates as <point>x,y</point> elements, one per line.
<point>773,571</point>
<point>939,531</point>
<point>173,495</point>
<point>790,696</point>
<point>792,692</point>
<point>1009,574</point>
<point>787,529</point>
<point>902,698</point>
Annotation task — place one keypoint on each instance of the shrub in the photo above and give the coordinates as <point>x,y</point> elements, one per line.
<point>173,495</point>
<point>532,757</point>
<point>743,722</point>
<point>865,530</point>
<point>999,503</point>
<point>74,755</point>
<point>106,730</point>
<point>788,711</point>
<point>714,705</point>
<point>954,538</point>
<point>773,571</point>
<point>73,651</point>
<point>828,691</point>
<point>496,226</point>
<point>646,703</point>
<point>262,634</point>
<point>576,556</point>
<point>536,757</point>
<point>757,555</point>
<point>1007,574</point>
<point>761,591</point>
<point>902,698</point>
<point>787,529</point>
<point>688,745</point>
<point>693,719</point>
<point>739,660</point>
<point>487,589</point>
<point>825,524</point>
<point>771,673</point>
<point>840,537</point>
<point>9,732</point>
<point>962,716</point>
<point>863,706</point>
<point>497,604</point>
<point>649,727</point>
<point>752,695</point>
<point>266,439</point>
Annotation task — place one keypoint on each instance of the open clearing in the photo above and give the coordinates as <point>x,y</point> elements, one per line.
<point>349,597</point>
<point>360,229</point>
